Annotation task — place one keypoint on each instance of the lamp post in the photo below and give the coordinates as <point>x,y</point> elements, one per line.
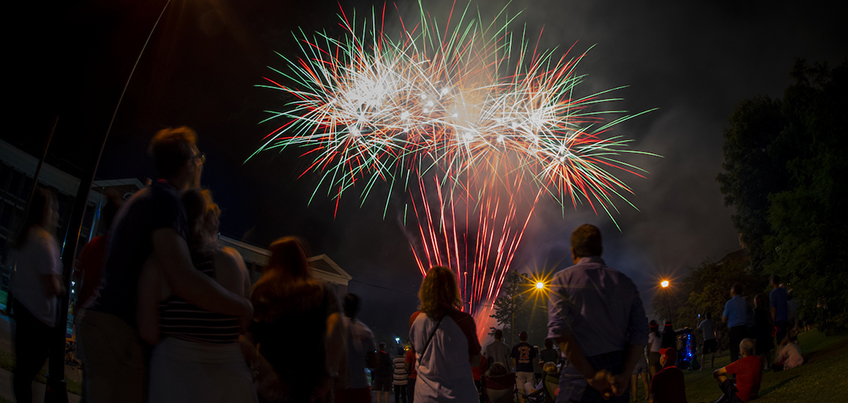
<point>665,284</point>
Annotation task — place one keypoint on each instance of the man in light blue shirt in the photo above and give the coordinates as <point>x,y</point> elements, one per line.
<point>597,319</point>
<point>736,316</point>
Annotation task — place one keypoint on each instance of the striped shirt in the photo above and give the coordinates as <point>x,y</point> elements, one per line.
<point>182,320</point>
<point>399,376</point>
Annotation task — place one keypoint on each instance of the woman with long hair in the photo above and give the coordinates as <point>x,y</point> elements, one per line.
<point>445,341</point>
<point>197,355</point>
<point>36,285</point>
<point>296,326</point>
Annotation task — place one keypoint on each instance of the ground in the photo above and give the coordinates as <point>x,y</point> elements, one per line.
<point>822,378</point>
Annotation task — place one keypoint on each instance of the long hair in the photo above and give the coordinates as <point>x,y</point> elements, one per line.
<point>42,199</point>
<point>286,286</point>
<point>200,208</point>
<point>439,292</point>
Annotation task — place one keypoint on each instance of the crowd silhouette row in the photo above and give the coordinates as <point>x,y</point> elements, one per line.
<point>174,318</point>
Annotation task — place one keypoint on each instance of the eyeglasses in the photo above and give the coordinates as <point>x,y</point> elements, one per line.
<point>200,158</point>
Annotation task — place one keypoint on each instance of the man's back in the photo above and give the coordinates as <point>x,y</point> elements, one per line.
<point>708,328</point>
<point>599,305</point>
<point>497,351</point>
<point>668,386</point>
<point>360,340</point>
<point>155,207</point>
<point>778,301</point>
<point>748,371</point>
<point>736,311</point>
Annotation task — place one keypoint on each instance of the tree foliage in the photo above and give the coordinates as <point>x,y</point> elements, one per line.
<point>518,309</point>
<point>785,168</point>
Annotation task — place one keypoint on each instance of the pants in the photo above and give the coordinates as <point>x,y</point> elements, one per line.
<point>113,359</point>
<point>736,334</point>
<point>400,393</point>
<point>573,388</point>
<point>521,379</point>
<point>410,389</point>
<point>32,347</point>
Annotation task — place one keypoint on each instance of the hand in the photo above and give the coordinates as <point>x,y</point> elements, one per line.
<point>620,383</point>
<point>602,381</point>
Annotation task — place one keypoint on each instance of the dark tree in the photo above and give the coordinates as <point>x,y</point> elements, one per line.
<point>808,220</point>
<point>753,170</point>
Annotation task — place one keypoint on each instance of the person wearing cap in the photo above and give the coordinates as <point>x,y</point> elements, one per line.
<point>522,359</point>
<point>596,317</point>
<point>668,384</point>
<point>748,371</point>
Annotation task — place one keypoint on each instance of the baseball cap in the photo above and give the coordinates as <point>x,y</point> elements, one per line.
<point>670,354</point>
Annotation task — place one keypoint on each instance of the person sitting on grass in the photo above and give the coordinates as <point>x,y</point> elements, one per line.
<point>748,371</point>
<point>668,384</point>
<point>788,353</point>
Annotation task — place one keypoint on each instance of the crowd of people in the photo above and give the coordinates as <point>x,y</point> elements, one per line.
<point>175,318</point>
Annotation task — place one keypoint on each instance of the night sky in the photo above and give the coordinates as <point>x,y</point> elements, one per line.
<point>692,60</point>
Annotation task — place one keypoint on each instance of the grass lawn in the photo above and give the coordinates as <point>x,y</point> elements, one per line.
<point>822,378</point>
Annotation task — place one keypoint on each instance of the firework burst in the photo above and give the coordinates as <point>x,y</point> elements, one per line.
<point>462,117</point>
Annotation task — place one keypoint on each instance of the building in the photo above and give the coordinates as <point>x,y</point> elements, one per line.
<point>321,266</point>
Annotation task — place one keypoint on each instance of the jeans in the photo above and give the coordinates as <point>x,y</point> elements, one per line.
<point>32,347</point>
<point>574,389</point>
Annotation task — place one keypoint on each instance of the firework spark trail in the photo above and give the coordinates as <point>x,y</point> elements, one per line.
<point>468,105</point>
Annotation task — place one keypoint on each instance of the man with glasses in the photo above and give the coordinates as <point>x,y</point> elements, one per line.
<point>151,225</point>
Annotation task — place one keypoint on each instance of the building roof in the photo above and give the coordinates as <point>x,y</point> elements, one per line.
<point>320,266</point>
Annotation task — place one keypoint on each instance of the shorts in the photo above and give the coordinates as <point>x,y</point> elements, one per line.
<point>641,367</point>
<point>382,384</point>
<point>730,391</point>
<point>654,360</point>
<point>710,346</point>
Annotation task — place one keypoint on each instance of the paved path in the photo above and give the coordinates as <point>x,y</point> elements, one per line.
<point>6,376</point>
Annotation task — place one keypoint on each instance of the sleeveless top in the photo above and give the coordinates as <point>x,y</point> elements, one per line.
<point>182,320</point>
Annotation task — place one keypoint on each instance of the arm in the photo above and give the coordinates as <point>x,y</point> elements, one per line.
<point>147,307</point>
<point>173,258</point>
<point>267,383</point>
<point>336,344</point>
<point>600,380</point>
<point>230,271</point>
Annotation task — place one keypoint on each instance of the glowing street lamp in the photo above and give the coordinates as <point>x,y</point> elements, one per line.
<point>664,284</point>
<point>540,285</point>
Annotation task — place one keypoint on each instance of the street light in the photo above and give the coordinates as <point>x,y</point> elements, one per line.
<point>540,285</point>
<point>665,284</point>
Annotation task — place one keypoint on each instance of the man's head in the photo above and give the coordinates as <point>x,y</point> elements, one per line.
<point>498,334</point>
<point>522,336</point>
<point>708,315</point>
<point>775,281</point>
<point>176,157</point>
<point>382,346</point>
<point>735,289</point>
<point>351,305</point>
<point>746,346</point>
<point>549,344</point>
<point>668,356</point>
<point>585,242</point>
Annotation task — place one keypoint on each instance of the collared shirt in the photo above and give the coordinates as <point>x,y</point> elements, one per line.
<point>736,311</point>
<point>599,305</point>
<point>777,300</point>
<point>601,308</point>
